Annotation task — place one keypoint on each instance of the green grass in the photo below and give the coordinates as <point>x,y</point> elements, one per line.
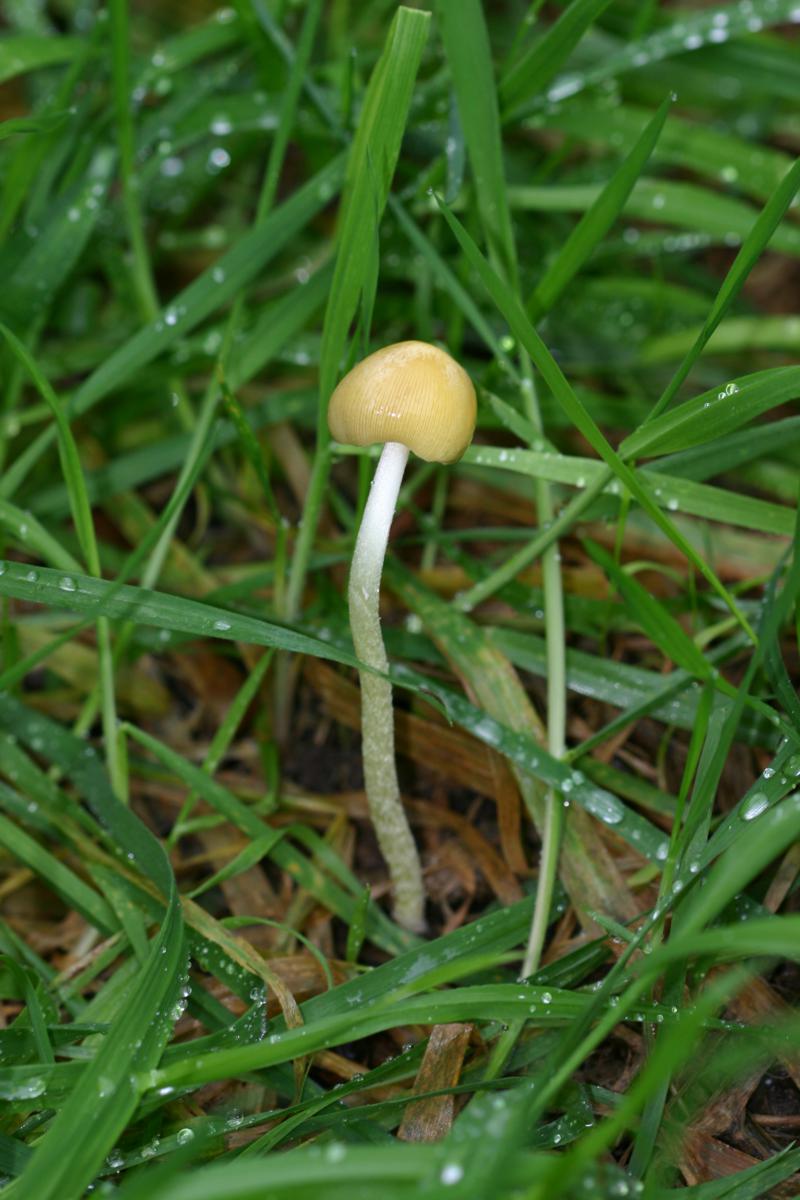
<point>206,217</point>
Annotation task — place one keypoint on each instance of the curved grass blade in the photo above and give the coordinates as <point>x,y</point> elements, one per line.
<point>122,602</point>
<point>687,33</point>
<point>715,413</point>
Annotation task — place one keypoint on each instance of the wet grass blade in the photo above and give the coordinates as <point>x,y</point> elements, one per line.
<point>106,1094</point>
<point>469,55</point>
<point>530,74</point>
<point>597,220</point>
<point>214,288</point>
<point>96,597</point>
<point>753,247</point>
<point>555,379</point>
<point>715,413</point>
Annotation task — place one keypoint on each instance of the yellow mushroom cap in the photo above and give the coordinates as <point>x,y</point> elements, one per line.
<point>412,393</point>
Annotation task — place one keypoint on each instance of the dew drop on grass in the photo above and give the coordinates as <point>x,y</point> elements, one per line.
<point>568,85</point>
<point>171,167</point>
<point>221,126</point>
<point>755,805</point>
<point>183,1136</point>
<point>2,568</point>
<point>218,160</point>
<point>222,626</point>
<point>451,1173</point>
<point>31,576</point>
<point>67,584</point>
<point>607,809</point>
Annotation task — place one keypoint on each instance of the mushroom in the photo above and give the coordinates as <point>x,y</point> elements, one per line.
<point>410,396</point>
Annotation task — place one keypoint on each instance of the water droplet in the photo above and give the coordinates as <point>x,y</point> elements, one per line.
<point>754,806</point>
<point>568,85</point>
<point>221,126</point>
<point>793,765</point>
<point>606,808</point>
<point>451,1173</point>
<point>183,1136</point>
<point>218,160</point>
<point>67,584</point>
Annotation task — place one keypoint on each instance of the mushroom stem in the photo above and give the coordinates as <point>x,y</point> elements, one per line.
<point>377,722</point>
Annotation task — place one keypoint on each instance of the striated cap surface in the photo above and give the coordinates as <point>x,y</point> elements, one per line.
<point>409,392</point>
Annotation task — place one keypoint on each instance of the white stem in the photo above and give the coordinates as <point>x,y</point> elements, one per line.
<point>377,722</point>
